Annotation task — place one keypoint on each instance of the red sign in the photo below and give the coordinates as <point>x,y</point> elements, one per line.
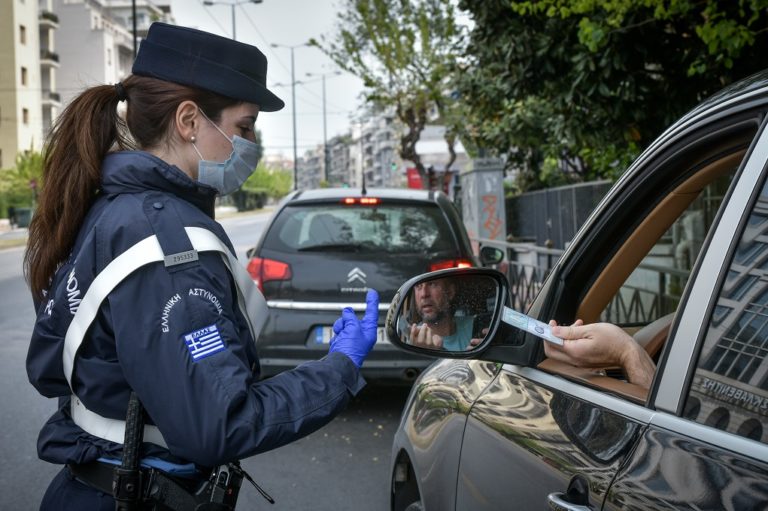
<point>414,179</point>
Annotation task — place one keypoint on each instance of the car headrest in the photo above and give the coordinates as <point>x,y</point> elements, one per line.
<point>327,228</point>
<point>653,335</point>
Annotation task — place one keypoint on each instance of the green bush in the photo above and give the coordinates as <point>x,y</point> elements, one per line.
<point>15,183</point>
<point>277,183</point>
<point>246,200</point>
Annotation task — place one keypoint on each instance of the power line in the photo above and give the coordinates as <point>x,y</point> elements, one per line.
<point>266,43</point>
<point>279,61</point>
<point>310,103</point>
<point>208,11</point>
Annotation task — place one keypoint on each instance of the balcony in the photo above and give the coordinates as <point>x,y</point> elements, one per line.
<point>51,98</point>
<point>48,19</point>
<point>49,58</point>
<point>386,144</point>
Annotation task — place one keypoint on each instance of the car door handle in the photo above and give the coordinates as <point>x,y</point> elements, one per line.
<point>557,502</point>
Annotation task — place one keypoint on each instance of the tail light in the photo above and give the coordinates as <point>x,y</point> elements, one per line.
<point>450,263</point>
<point>266,270</point>
<point>361,201</point>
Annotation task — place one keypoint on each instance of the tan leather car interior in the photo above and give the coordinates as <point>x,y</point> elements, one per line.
<point>653,335</point>
<point>641,241</point>
<point>607,284</point>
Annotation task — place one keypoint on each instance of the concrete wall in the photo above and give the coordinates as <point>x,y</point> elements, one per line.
<point>80,47</point>
<point>94,48</point>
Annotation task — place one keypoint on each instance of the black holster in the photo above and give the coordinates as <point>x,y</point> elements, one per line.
<point>135,488</point>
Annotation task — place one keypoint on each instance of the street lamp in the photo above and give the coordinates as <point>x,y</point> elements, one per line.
<point>232,4</point>
<point>293,107</point>
<point>325,135</point>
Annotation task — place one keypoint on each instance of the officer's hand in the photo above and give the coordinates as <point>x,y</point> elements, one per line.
<point>356,338</point>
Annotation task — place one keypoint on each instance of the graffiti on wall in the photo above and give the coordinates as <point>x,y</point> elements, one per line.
<point>492,224</point>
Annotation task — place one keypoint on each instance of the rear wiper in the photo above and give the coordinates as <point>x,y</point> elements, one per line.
<point>331,247</point>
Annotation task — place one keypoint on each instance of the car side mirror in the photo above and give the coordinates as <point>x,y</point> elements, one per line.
<point>249,253</point>
<point>491,255</point>
<point>451,313</point>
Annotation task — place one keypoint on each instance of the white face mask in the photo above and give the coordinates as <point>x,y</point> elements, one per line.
<point>229,175</point>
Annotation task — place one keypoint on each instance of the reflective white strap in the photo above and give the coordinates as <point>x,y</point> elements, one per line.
<point>146,251</point>
<point>250,300</point>
<point>109,429</point>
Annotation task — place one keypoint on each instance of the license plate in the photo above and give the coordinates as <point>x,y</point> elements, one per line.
<point>323,334</point>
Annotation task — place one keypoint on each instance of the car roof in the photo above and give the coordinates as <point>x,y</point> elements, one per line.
<point>752,85</point>
<point>334,194</point>
<point>752,88</point>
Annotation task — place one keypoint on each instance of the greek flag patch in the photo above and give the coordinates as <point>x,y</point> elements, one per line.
<point>204,342</point>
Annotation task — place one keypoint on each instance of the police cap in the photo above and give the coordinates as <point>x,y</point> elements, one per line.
<point>206,61</point>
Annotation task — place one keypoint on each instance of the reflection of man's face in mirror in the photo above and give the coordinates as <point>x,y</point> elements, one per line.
<point>433,300</point>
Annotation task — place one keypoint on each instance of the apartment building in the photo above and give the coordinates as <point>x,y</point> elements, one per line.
<point>340,164</point>
<point>27,85</point>
<point>96,41</point>
<point>310,169</point>
<point>52,50</point>
<point>147,12</point>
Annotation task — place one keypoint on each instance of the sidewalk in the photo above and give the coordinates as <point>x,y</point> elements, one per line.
<point>11,236</point>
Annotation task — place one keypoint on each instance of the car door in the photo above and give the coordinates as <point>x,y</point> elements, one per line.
<point>706,444</point>
<point>540,433</point>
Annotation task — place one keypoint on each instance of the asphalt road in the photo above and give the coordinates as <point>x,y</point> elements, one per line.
<point>344,466</point>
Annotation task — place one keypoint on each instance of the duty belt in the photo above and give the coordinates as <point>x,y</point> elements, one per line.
<point>158,491</point>
<point>166,492</point>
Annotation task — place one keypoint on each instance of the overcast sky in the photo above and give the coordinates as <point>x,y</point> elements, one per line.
<point>286,22</point>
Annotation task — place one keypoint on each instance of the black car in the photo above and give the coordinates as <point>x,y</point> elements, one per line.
<point>323,249</point>
<point>677,255</point>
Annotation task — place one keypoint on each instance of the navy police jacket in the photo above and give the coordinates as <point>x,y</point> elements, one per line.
<point>209,406</point>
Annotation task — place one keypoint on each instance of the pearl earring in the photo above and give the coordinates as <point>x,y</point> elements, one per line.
<point>192,139</point>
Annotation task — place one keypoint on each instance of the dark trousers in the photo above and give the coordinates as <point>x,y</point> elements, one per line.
<point>65,493</point>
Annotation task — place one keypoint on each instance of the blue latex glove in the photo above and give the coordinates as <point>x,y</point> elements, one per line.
<point>356,338</point>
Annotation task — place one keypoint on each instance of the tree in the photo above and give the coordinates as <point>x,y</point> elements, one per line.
<point>277,183</point>
<point>18,185</point>
<point>587,84</point>
<point>404,52</point>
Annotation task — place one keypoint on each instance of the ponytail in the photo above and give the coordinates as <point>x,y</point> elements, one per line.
<point>84,133</point>
<point>81,137</point>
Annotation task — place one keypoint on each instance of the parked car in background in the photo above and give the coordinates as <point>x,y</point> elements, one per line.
<point>677,255</point>
<point>323,249</point>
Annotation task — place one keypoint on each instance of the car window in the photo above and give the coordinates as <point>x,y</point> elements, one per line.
<point>730,385</point>
<point>639,284</point>
<point>654,287</point>
<point>392,228</point>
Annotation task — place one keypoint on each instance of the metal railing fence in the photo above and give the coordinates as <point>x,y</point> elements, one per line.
<point>527,266</point>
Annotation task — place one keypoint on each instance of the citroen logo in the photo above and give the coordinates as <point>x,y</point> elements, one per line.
<point>356,274</point>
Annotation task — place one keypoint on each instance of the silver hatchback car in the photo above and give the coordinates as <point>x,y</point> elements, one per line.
<point>677,255</point>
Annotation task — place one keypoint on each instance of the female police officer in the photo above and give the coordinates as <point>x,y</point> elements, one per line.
<point>136,286</point>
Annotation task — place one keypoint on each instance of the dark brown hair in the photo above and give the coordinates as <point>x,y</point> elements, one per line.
<point>87,129</point>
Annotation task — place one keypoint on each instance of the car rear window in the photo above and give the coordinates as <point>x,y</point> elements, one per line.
<point>392,228</point>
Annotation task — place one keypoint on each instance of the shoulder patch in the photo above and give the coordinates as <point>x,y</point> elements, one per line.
<point>204,342</point>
